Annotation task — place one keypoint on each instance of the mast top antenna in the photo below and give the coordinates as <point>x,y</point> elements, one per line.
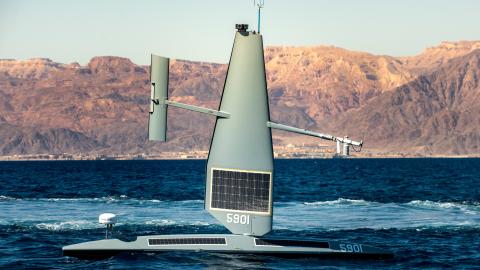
<point>259,4</point>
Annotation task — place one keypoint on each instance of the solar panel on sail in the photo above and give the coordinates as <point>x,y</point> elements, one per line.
<point>240,190</point>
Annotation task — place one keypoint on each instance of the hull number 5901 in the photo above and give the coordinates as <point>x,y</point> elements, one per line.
<point>351,248</point>
<point>238,219</point>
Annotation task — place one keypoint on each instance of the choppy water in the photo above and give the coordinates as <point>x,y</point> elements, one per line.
<point>427,211</point>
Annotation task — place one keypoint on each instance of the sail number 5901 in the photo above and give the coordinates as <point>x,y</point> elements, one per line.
<point>238,219</point>
<point>351,248</point>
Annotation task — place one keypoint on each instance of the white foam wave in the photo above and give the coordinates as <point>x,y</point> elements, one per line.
<point>161,222</point>
<point>77,225</point>
<point>339,201</point>
<point>469,207</point>
<point>446,205</point>
<point>169,222</point>
<point>355,214</point>
<point>106,199</point>
<point>67,225</point>
<point>340,214</point>
<point>6,198</point>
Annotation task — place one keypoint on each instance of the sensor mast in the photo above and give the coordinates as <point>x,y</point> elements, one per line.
<point>259,4</point>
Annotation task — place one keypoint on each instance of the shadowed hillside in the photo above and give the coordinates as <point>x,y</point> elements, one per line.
<point>439,112</point>
<point>424,104</point>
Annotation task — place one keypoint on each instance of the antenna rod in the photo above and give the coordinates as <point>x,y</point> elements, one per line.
<point>259,14</point>
<point>259,4</point>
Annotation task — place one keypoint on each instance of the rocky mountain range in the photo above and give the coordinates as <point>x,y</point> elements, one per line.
<point>438,112</point>
<point>425,104</point>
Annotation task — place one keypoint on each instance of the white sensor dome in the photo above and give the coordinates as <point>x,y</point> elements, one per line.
<point>107,218</point>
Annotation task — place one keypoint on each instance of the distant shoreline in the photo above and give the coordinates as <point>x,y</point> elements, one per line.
<point>129,158</point>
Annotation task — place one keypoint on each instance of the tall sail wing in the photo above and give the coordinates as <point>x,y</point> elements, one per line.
<point>240,163</point>
<point>157,121</point>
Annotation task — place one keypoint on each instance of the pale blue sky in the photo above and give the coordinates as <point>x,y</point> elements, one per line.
<point>68,31</point>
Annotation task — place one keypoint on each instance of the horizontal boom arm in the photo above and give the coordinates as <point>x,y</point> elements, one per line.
<point>197,109</point>
<point>313,134</point>
<point>192,108</point>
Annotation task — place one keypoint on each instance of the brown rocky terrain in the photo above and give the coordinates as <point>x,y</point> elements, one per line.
<point>325,81</point>
<point>421,104</point>
<point>433,57</point>
<point>439,112</point>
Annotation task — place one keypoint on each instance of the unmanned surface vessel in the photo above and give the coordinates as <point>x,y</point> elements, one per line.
<point>239,173</point>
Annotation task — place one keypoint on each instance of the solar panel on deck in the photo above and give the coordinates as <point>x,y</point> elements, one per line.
<point>186,241</point>
<point>239,190</point>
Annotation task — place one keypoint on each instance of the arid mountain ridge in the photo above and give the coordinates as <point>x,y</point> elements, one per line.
<point>425,104</point>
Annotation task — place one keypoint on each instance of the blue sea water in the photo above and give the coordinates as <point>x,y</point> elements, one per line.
<point>427,211</point>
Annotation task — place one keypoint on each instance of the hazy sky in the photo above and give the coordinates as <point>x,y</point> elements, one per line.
<point>68,31</point>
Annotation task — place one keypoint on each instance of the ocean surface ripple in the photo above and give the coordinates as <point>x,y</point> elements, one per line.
<point>427,211</point>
